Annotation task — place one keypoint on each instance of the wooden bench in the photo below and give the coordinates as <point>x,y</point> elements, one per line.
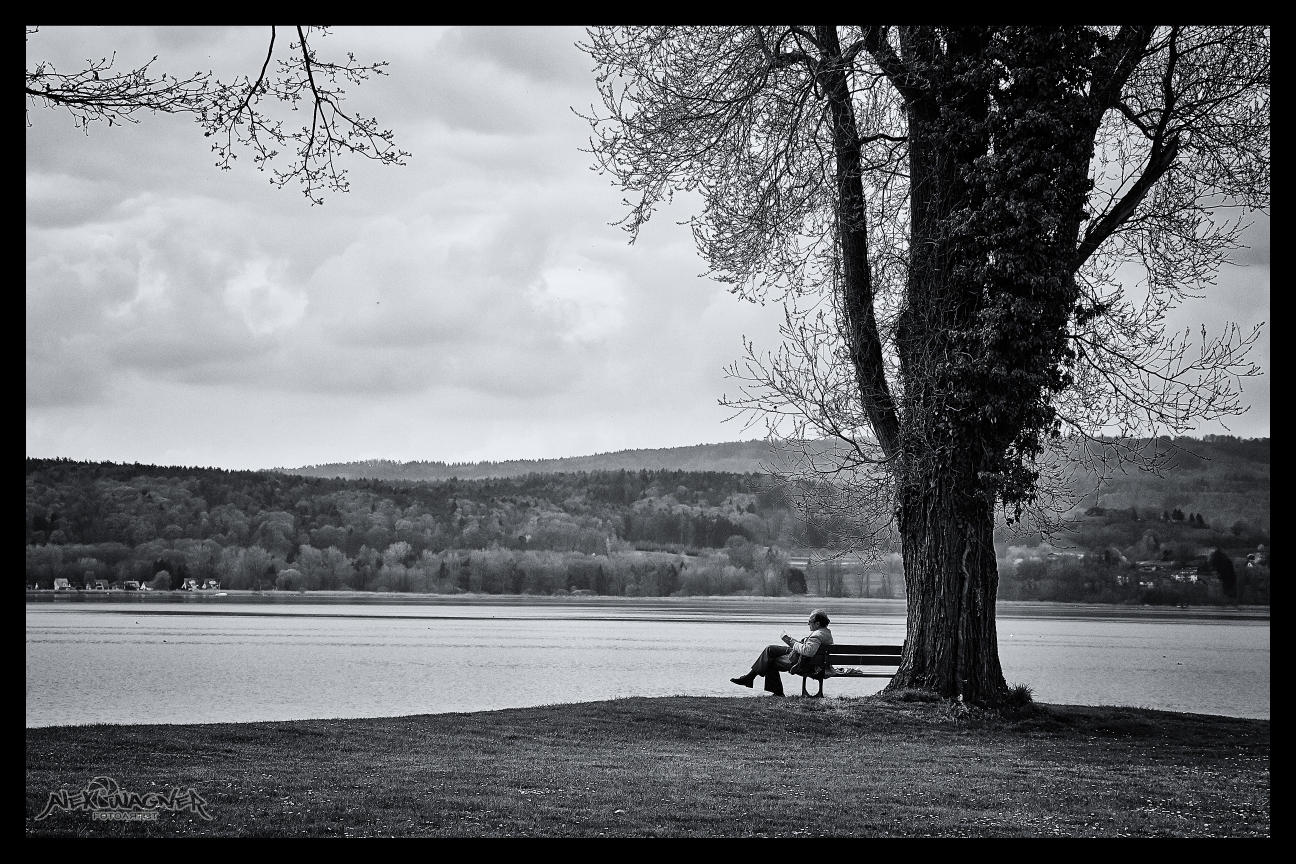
<point>877,656</point>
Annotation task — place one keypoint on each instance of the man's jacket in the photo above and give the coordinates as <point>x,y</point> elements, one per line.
<point>809,653</point>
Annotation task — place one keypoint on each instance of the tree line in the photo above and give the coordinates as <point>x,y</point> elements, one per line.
<point>246,529</point>
<point>645,533</point>
<point>1138,556</point>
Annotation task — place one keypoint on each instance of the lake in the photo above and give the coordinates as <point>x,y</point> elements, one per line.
<point>233,659</point>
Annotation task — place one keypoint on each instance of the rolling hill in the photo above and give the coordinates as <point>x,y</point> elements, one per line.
<point>735,457</point>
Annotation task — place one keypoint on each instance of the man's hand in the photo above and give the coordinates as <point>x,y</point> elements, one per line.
<point>788,639</point>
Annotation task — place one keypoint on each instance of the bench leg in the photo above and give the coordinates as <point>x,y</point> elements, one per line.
<point>805,692</point>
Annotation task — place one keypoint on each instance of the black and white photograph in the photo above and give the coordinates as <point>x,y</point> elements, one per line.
<point>648,431</point>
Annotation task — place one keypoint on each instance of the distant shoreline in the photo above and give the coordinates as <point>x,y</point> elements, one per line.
<point>791,605</point>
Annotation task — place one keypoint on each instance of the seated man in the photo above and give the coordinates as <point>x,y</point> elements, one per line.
<point>776,658</point>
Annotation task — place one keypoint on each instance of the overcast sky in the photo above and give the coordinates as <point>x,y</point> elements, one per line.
<point>474,304</point>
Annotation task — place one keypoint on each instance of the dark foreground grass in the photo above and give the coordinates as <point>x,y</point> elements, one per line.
<point>681,766</point>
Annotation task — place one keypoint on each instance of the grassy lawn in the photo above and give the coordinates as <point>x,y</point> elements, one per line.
<point>681,766</point>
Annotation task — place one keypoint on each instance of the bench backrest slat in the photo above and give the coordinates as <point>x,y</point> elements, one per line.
<point>864,655</point>
<point>841,648</point>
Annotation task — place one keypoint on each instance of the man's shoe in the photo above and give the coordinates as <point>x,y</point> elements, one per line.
<point>745,681</point>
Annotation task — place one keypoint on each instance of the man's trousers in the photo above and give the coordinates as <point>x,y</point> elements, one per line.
<point>774,659</point>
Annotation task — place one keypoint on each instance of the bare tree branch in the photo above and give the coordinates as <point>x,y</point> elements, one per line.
<point>232,113</point>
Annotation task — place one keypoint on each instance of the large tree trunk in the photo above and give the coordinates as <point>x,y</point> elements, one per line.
<point>951,577</point>
<point>946,515</point>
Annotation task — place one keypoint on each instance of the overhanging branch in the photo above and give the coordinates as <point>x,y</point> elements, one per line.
<point>1159,162</point>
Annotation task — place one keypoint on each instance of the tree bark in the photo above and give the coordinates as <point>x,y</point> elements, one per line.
<point>856,276</point>
<point>945,514</point>
<point>951,577</point>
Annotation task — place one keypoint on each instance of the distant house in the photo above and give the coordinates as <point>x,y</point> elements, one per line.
<point>62,585</point>
<point>211,585</point>
<point>131,585</point>
<point>97,585</point>
<point>189,585</point>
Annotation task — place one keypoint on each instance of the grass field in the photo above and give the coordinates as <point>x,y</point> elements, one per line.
<point>681,766</point>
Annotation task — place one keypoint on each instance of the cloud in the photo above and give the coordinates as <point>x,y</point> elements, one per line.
<point>542,55</point>
<point>476,286</point>
<point>586,303</point>
<point>1255,239</point>
<point>147,291</point>
<point>59,200</point>
<point>258,296</point>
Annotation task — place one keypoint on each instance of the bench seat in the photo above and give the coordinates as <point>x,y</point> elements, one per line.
<point>844,661</point>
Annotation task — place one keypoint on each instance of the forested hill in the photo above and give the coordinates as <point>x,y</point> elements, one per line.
<point>735,457</point>
<point>1226,479</point>
<point>1231,475</point>
<point>1223,477</point>
<point>560,530</point>
<point>134,506</point>
<point>504,535</point>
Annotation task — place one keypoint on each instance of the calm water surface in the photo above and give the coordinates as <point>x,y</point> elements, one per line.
<point>234,660</point>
